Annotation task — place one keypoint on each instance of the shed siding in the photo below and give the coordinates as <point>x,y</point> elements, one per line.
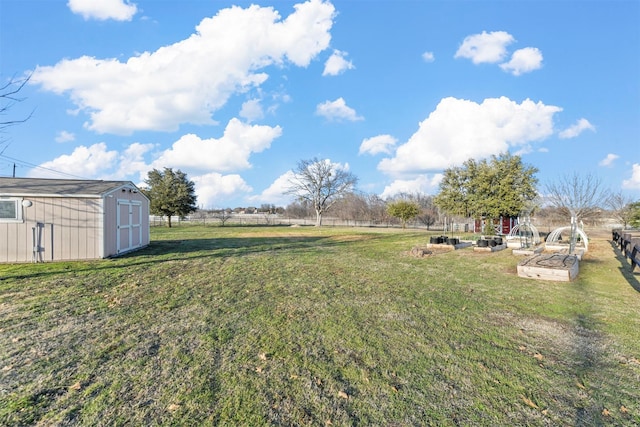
<point>57,236</point>
<point>9,241</point>
<point>69,230</point>
<point>72,220</point>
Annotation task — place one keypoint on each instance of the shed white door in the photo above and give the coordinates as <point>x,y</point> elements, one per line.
<point>129,224</point>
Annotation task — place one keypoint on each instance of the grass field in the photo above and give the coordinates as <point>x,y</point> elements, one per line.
<point>290,326</point>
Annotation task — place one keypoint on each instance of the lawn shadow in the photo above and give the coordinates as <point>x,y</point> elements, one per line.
<point>625,267</point>
<point>161,251</point>
<point>222,246</point>
<point>590,358</point>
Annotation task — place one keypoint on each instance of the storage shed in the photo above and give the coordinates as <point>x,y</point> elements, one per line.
<point>66,219</point>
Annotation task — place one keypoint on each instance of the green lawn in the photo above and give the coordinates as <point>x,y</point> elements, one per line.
<point>305,326</point>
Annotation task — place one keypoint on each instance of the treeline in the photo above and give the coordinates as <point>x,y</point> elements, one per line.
<point>352,208</point>
<point>371,209</point>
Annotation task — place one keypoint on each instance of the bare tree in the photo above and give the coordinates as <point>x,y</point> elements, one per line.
<point>621,207</point>
<point>8,98</point>
<point>428,216</point>
<point>550,216</point>
<point>377,209</point>
<point>321,183</point>
<point>352,206</point>
<point>576,195</point>
<point>298,209</point>
<point>222,215</point>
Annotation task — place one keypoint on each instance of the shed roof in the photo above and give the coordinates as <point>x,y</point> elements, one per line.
<point>59,187</point>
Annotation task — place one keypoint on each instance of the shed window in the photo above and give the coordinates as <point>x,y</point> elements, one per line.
<point>10,210</point>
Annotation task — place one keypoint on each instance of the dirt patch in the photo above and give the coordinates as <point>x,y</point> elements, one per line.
<point>424,252</point>
<point>584,345</point>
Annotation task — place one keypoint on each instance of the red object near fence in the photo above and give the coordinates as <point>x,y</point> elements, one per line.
<point>502,225</point>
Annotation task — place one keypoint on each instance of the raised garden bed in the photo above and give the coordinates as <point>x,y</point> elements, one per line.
<point>447,242</point>
<point>533,250</point>
<point>556,267</point>
<point>490,244</point>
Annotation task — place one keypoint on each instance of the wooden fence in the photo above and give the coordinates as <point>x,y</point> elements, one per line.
<point>629,244</point>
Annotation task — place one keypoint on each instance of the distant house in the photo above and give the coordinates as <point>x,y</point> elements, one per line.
<point>63,219</point>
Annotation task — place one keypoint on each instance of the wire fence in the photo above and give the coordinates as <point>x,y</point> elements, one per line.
<point>283,220</point>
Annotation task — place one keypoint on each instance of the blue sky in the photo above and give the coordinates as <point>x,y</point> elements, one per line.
<point>236,93</point>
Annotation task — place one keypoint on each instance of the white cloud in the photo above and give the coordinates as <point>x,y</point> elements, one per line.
<point>428,57</point>
<point>230,152</point>
<point>492,48</point>
<point>97,162</point>
<point>523,61</point>
<point>460,129</point>
<point>252,110</point>
<point>421,184</point>
<point>190,154</point>
<point>378,144</point>
<point>337,110</point>
<point>131,162</point>
<point>213,188</point>
<point>275,193</point>
<point>633,183</point>
<point>522,150</point>
<point>64,136</point>
<point>188,81</point>
<point>120,10</point>
<point>608,161</point>
<point>485,47</point>
<point>576,129</point>
<point>83,162</point>
<point>337,64</point>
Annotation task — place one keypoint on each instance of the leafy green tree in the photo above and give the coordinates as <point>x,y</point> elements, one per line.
<point>635,215</point>
<point>503,186</point>
<point>403,210</point>
<point>321,184</point>
<point>428,212</point>
<point>170,193</point>
<point>456,196</point>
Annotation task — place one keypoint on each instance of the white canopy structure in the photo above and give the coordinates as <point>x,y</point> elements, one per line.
<point>555,237</point>
<point>524,233</point>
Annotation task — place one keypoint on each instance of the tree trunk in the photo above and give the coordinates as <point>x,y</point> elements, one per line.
<point>318,218</point>
<point>169,222</point>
